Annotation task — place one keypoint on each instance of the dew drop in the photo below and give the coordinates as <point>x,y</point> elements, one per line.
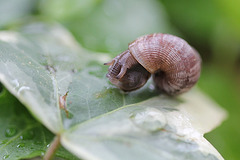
<point>150,119</point>
<point>11,131</point>
<point>5,156</point>
<point>20,145</point>
<point>48,145</point>
<point>23,89</point>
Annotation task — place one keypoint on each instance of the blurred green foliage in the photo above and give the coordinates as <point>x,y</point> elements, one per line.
<point>108,25</point>
<point>11,11</point>
<point>211,26</point>
<point>223,86</point>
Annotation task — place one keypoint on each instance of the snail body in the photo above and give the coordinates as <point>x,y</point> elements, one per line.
<point>174,64</point>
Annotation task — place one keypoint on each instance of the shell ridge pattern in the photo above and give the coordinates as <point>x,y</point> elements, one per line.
<point>174,64</point>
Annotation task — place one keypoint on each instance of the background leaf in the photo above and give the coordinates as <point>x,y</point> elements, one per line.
<point>42,63</point>
<point>35,68</point>
<point>108,25</point>
<point>21,136</point>
<point>13,11</point>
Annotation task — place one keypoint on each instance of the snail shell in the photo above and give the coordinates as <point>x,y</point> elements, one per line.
<point>175,65</point>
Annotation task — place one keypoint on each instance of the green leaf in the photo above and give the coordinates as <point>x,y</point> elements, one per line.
<point>12,10</point>
<point>66,9</point>
<point>216,81</point>
<point>37,70</point>
<point>108,25</point>
<point>21,136</point>
<point>159,128</point>
<point>195,19</point>
<point>1,88</point>
<point>65,88</point>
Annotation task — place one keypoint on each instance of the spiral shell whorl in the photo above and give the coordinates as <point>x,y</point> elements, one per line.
<point>174,63</point>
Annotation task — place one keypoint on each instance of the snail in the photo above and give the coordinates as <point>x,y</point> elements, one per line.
<point>174,64</point>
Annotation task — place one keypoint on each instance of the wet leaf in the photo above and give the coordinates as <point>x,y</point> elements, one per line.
<point>159,128</point>
<point>21,136</point>
<point>42,62</point>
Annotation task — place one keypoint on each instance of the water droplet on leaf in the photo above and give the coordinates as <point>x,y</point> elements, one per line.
<point>11,131</point>
<point>150,119</point>
<point>23,89</point>
<point>20,145</point>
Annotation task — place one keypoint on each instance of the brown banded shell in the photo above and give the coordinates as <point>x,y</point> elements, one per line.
<point>175,65</point>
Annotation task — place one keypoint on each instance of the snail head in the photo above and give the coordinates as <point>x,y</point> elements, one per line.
<point>126,73</point>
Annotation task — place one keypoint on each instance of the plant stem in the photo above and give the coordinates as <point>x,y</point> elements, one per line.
<point>52,148</point>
